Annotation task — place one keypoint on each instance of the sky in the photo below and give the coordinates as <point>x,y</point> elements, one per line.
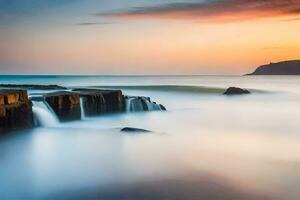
<point>124,37</point>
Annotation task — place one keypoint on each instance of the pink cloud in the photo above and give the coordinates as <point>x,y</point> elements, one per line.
<point>216,11</point>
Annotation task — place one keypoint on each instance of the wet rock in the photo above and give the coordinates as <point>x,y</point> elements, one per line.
<point>15,110</point>
<point>66,105</point>
<point>97,102</point>
<point>141,103</point>
<point>144,102</point>
<point>32,87</point>
<point>162,107</point>
<point>134,130</point>
<point>236,91</point>
<point>137,103</point>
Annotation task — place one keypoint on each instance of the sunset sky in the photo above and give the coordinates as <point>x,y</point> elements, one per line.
<point>146,36</point>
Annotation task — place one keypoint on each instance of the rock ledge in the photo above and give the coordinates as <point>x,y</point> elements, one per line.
<point>15,110</point>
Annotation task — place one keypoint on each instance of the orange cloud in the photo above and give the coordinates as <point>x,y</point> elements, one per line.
<point>215,11</point>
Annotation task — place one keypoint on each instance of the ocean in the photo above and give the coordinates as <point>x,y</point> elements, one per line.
<point>205,146</point>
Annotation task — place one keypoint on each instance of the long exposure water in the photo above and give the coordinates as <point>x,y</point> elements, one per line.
<point>206,146</point>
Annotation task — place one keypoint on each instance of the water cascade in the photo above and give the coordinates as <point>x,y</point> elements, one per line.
<point>82,108</point>
<point>135,103</point>
<point>44,114</point>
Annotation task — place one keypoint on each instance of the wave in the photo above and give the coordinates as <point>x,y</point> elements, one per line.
<point>174,88</point>
<point>167,88</point>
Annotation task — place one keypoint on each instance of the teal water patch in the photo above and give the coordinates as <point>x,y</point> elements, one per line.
<point>168,88</point>
<point>173,88</point>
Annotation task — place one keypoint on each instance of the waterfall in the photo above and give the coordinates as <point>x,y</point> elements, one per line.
<point>134,104</point>
<point>156,106</point>
<point>151,105</point>
<point>82,108</point>
<point>128,104</point>
<point>148,103</point>
<point>44,114</point>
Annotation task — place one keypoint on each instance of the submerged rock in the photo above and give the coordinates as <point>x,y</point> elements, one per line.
<point>15,110</point>
<point>134,130</point>
<point>236,91</point>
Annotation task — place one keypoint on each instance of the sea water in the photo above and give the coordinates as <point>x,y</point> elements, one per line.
<point>206,145</point>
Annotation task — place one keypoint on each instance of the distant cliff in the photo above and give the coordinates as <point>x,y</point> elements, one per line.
<point>281,68</point>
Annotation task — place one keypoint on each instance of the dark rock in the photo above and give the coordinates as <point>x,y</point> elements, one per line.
<point>15,110</point>
<point>134,130</point>
<point>144,103</point>
<point>32,87</point>
<point>137,103</point>
<point>96,102</point>
<point>162,107</point>
<point>236,91</point>
<point>66,105</point>
<point>141,103</point>
<point>281,68</point>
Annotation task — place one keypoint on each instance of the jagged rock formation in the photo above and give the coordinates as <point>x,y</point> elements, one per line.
<point>96,102</point>
<point>291,67</point>
<point>139,103</point>
<point>162,107</point>
<point>236,91</point>
<point>15,110</point>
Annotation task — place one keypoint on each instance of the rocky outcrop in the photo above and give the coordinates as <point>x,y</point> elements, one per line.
<point>281,68</point>
<point>32,87</point>
<point>97,102</point>
<point>15,110</point>
<point>236,91</point>
<point>140,103</point>
<point>162,107</point>
<point>66,105</point>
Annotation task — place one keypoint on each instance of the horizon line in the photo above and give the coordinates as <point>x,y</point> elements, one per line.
<point>122,74</point>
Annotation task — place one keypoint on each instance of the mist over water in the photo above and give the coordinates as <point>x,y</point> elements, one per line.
<point>206,145</point>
